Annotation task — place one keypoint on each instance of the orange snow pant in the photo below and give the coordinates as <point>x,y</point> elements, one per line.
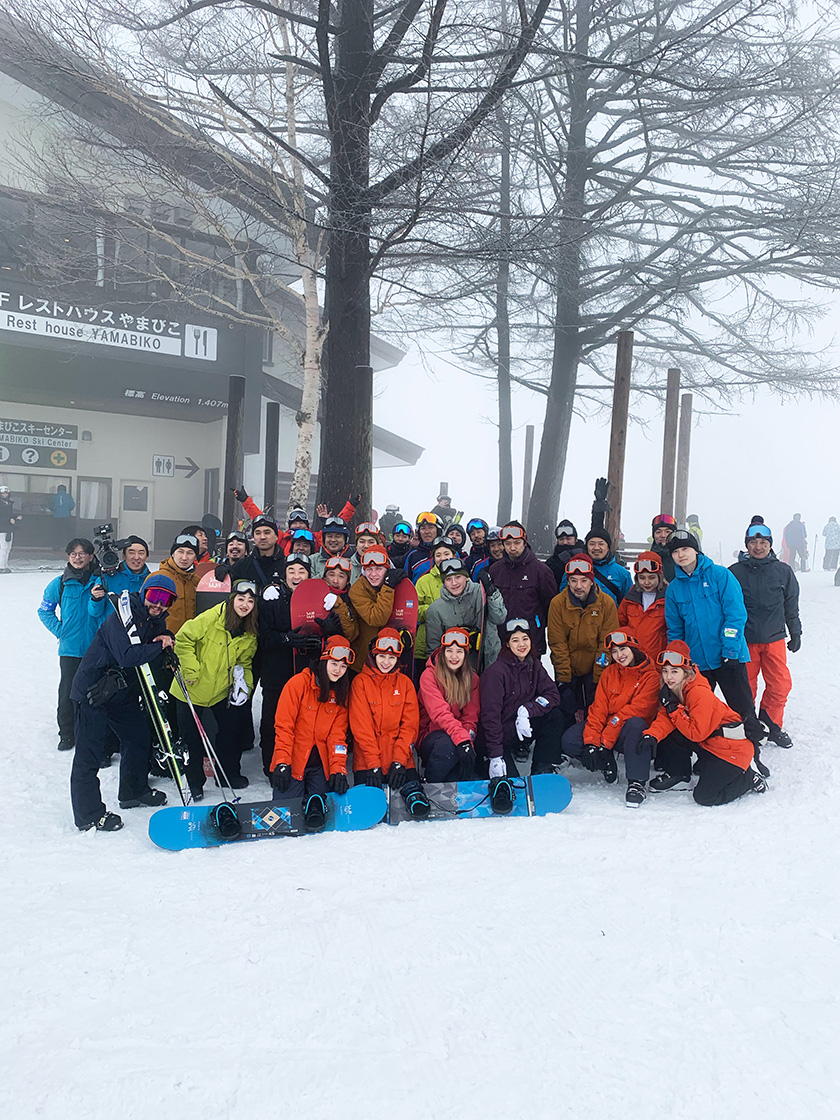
<point>770,659</point>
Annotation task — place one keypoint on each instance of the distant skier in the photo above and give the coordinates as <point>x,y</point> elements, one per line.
<point>8,520</point>
<point>831,532</point>
<point>796,542</point>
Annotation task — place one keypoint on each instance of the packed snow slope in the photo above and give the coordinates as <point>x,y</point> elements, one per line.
<point>667,962</point>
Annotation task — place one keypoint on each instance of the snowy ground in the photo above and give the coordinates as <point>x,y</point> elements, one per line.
<point>671,962</point>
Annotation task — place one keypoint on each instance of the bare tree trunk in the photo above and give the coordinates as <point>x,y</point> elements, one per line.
<point>551,466</point>
<point>503,328</point>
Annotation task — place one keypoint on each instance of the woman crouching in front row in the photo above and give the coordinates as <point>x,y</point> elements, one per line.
<point>693,719</point>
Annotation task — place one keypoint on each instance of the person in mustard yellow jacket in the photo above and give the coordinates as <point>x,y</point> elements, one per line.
<point>579,619</point>
<point>384,717</point>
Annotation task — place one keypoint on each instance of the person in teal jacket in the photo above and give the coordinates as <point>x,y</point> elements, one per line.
<point>129,576</point>
<point>610,576</point>
<point>704,607</point>
<point>69,613</point>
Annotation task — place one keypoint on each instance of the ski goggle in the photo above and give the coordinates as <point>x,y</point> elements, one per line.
<point>187,540</point>
<point>512,533</point>
<point>338,562</point>
<point>647,566</point>
<point>443,542</point>
<point>619,638</point>
<point>451,566</point>
<point>665,521</point>
<point>514,624</point>
<point>339,653</point>
<point>367,527</point>
<point>579,567</point>
<point>387,645</point>
<point>244,587</point>
<point>298,515</point>
<point>758,531</point>
<point>236,536</point>
<point>159,596</point>
<point>303,535</point>
<point>335,525</point>
<point>402,527</point>
<point>456,638</point>
<point>374,556</point>
<point>476,523</point>
<point>681,535</point>
<point>673,657</point>
<point>298,558</point>
<point>564,531</point>
<point>426,519</point>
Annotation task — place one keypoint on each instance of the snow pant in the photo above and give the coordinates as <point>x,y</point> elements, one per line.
<point>66,711</point>
<point>829,559</point>
<point>636,765</point>
<point>314,779</point>
<point>770,659</point>
<point>440,758</point>
<point>673,755</point>
<point>584,691</point>
<point>720,781</point>
<point>798,550</point>
<point>131,727</point>
<point>6,547</point>
<point>230,728</point>
<point>547,738</point>
<point>734,683</point>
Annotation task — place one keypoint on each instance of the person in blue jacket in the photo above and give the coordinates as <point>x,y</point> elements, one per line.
<point>610,576</point>
<point>129,576</point>
<point>704,607</point>
<point>61,506</point>
<point>69,613</point>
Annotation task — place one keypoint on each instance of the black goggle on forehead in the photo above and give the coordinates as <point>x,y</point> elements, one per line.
<point>514,624</point>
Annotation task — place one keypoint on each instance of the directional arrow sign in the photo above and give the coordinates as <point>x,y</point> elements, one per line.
<point>190,467</point>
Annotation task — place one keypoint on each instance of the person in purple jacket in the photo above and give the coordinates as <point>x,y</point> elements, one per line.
<point>527,585</point>
<point>519,701</point>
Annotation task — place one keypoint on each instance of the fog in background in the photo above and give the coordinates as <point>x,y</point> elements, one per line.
<point>769,456</point>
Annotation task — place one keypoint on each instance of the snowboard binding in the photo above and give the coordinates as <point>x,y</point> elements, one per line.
<point>501,795</point>
<point>416,800</point>
<point>224,819</point>
<point>315,813</point>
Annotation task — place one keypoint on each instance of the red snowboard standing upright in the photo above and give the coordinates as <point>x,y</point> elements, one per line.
<point>211,591</point>
<point>404,618</point>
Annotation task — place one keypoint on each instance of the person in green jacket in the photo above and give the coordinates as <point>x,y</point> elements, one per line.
<point>428,589</point>
<point>216,649</point>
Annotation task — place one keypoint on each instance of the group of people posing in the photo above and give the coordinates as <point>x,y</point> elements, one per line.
<point>636,658</point>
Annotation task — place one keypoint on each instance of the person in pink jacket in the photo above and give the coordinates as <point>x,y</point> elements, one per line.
<point>449,709</point>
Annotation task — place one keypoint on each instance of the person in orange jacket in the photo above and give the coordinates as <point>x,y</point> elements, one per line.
<point>310,745</point>
<point>384,717</point>
<point>642,609</point>
<point>625,703</point>
<point>692,719</point>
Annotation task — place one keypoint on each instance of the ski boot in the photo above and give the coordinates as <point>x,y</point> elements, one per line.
<point>667,782</point>
<point>775,734</point>
<point>224,819</point>
<point>108,822</point>
<point>636,794</point>
<point>415,800</point>
<point>501,795</point>
<point>315,813</point>
<point>154,798</point>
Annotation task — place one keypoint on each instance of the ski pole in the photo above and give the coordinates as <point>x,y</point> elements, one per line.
<point>220,775</point>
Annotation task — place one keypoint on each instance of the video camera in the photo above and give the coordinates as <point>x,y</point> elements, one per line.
<point>108,551</point>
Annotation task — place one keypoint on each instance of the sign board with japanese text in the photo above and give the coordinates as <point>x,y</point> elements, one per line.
<point>38,443</point>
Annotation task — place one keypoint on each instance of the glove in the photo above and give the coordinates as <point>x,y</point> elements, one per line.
<point>221,572</point>
<point>464,760</point>
<point>281,777</point>
<point>393,577</point>
<point>239,690</point>
<point>369,778</point>
<point>589,758</point>
<point>170,660</point>
<point>647,741</point>
<point>313,646</point>
<point>338,783</point>
<point>396,775</point>
<point>668,700</point>
<point>486,582</point>
<point>329,625</point>
<point>523,724</point>
<point>271,593</point>
<point>330,601</point>
<point>241,494</point>
<point>354,499</point>
<point>498,767</point>
<point>106,688</point>
<point>794,643</point>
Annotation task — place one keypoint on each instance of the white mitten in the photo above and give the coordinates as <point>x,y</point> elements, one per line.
<point>523,723</point>
<point>239,688</point>
<point>498,768</point>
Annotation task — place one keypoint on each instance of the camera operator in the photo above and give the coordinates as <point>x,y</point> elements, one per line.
<point>129,576</point>
<point>68,611</point>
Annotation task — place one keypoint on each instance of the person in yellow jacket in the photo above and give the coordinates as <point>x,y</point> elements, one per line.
<point>579,619</point>
<point>216,650</point>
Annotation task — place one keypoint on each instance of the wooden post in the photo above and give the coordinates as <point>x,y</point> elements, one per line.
<point>362,478</point>
<point>669,442</point>
<point>272,446</point>
<point>683,453</point>
<point>618,430</point>
<point>233,447</point>
<point>528,471</point>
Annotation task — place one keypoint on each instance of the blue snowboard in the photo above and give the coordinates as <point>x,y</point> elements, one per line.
<point>189,826</point>
<point>533,797</point>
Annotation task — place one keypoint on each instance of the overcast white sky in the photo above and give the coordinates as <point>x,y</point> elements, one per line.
<point>767,456</point>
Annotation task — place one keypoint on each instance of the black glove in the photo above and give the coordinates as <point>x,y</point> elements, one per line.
<point>794,643</point>
<point>668,700</point>
<point>589,758</point>
<point>221,572</point>
<point>329,625</point>
<point>241,494</point>
<point>281,777</point>
<point>354,499</point>
<point>396,775</point>
<point>170,659</point>
<point>393,577</point>
<point>368,778</point>
<point>464,760</point>
<point>602,488</point>
<point>295,639</point>
<point>313,647</point>
<point>106,688</point>
<point>338,783</point>
<point>486,582</point>
<point>647,741</point>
